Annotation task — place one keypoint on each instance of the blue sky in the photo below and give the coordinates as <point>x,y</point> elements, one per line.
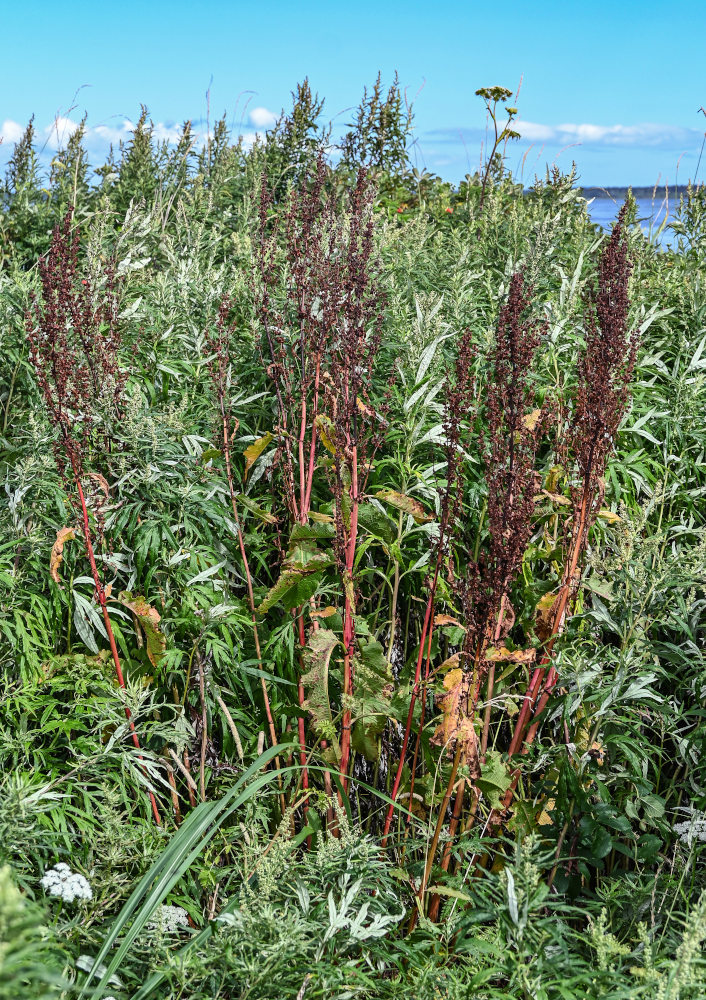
<point>615,86</point>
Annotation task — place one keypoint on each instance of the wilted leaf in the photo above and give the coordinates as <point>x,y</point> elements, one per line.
<point>63,535</point>
<point>447,620</point>
<point>317,656</point>
<point>253,451</point>
<point>148,619</point>
<point>324,612</point>
<point>499,654</point>
<point>456,726</point>
<point>405,503</point>
<point>530,420</point>
<point>544,616</point>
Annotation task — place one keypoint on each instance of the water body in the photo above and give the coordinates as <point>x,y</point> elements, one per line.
<point>651,210</point>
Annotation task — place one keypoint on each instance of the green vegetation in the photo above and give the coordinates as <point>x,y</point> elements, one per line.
<point>352,576</point>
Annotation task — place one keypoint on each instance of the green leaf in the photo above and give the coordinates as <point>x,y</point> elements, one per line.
<point>148,619</point>
<point>494,779</point>
<point>304,560</point>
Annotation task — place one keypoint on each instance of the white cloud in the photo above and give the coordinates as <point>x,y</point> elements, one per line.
<point>262,118</point>
<point>11,132</point>
<point>111,133</point>
<point>168,133</point>
<point>59,131</point>
<point>640,136</point>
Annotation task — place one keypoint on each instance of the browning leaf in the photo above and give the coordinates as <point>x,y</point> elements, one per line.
<point>317,657</point>
<point>500,654</point>
<point>63,535</point>
<point>544,616</point>
<point>101,482</point>
<point>148,619</point>
<point>456,726</point>
<point>406,504</point>
<point>447,620</point>
<point>530,420</point>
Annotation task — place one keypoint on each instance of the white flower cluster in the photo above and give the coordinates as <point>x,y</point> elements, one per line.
<point>67,885</point>
<point>692,829</point>
<point>169,919</point>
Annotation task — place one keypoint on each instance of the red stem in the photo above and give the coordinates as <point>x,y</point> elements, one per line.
<point>100,592</point>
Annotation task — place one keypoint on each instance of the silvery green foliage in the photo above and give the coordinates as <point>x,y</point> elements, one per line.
<point>68,886</point>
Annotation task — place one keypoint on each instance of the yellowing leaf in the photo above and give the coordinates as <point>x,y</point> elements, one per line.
<point>148,619</point>
<point>63,535</point>
<point>254,450</point>
<point>456,725</point>
<point>554,497</point>
<point>318,518</point>
<point>406,504</point>
<point>554,477</point>
<point>609,516</point>
<point>530,420</point>
<point>500,654</point>
<point>327,432</point>
<point>324,613</point>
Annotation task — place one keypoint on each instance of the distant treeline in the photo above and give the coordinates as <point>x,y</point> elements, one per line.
<point>621,193</point>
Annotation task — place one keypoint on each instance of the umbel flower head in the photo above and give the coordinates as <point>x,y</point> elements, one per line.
<point>67,885</point>
<point>169,919</point>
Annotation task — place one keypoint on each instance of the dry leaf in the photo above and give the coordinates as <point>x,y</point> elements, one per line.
<point>324,613</point>
<point>63,535</point>
<point>500,654</point>
<point>406,504</point>
<point>530,420</point>
<point>447,620</point>
<point>544,616</point>
<point>101,482</point>
<point>456,727</point>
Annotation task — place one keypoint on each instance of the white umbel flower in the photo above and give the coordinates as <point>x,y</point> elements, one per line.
<point>693,828</point>
<point>67,885</point>
<point>169,919</point>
